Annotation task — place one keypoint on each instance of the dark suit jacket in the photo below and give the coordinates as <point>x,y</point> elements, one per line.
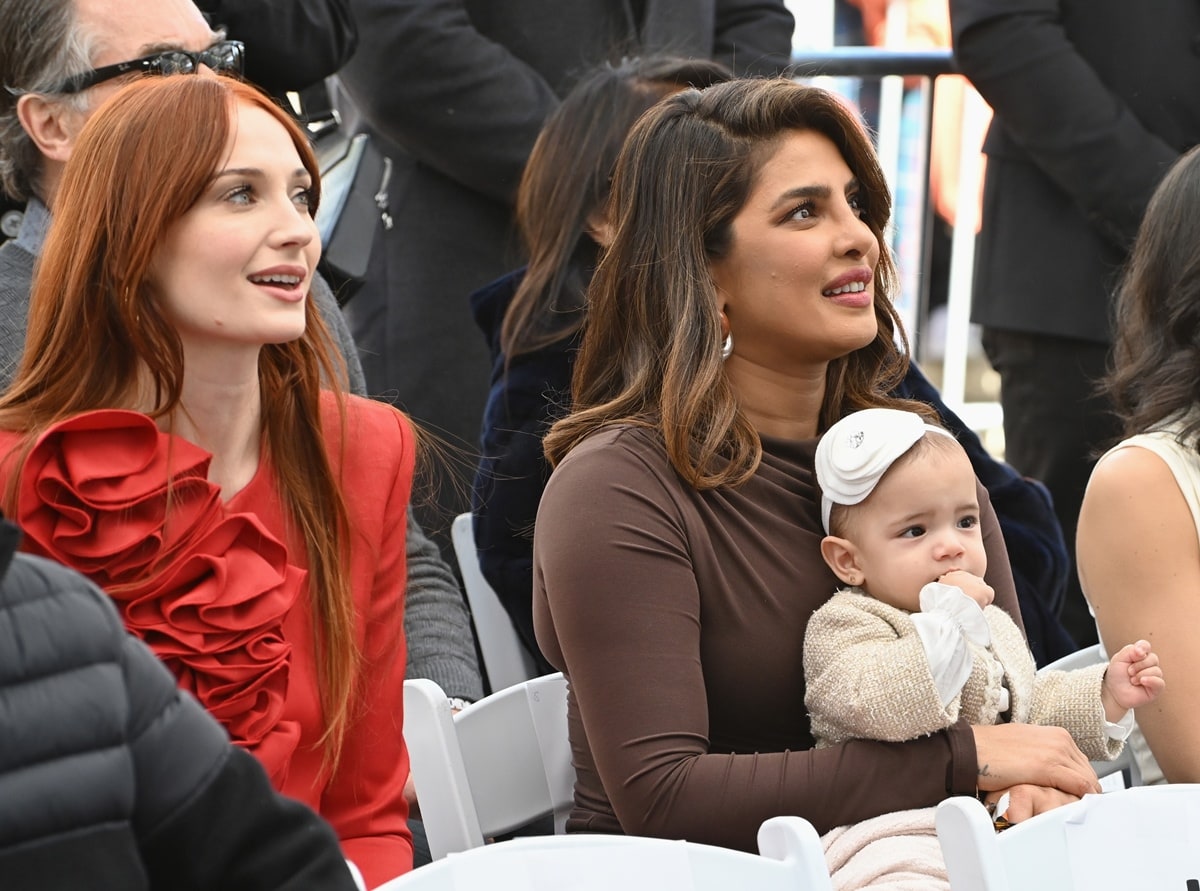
<point>290,45</point>
<point>458,89</point>
<point>1094,99</point>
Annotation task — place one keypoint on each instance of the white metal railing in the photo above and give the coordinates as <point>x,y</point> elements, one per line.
<point>839,68</point>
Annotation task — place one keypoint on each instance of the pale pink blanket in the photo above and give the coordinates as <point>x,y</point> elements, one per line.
<point>897,851</point>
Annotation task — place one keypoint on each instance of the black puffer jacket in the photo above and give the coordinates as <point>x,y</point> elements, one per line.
<point>110,777</point>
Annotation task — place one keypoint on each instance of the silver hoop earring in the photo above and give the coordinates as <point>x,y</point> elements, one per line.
<point>727,347</point>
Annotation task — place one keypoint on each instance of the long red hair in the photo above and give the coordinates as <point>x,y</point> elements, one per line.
<point>97,336</point>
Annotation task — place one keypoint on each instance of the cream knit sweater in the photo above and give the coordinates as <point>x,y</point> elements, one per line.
<point>868,677</point>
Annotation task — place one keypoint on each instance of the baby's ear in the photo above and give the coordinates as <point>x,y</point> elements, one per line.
<point>842,558</point>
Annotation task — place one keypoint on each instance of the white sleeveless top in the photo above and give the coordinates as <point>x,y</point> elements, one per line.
<point>1184,463</point>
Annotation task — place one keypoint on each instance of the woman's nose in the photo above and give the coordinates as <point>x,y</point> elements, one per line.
<point>857,239</point>
<point>294,225</point>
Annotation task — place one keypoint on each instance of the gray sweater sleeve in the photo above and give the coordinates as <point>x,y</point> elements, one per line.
<point>339,330</point>
<point>441,645</point>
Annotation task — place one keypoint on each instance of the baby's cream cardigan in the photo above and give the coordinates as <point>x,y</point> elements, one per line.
<point>868,677</point>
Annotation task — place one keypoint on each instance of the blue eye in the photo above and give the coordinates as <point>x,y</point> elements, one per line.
<point>913,532</point>
<point>969,522</point>
<point>238,195</point>
<point>304,197</point>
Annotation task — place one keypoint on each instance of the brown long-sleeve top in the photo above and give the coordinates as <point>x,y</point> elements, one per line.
<point>678,617</point>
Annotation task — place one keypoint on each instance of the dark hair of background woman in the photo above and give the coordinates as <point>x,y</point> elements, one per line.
<point>1156,353</point>
<point>567,180</point>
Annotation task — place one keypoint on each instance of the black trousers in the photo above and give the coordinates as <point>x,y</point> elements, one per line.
<point>1056,424</point>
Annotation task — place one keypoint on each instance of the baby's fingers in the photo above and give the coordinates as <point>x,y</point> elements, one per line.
<point>1151,678</point>
<point>1149,663</point>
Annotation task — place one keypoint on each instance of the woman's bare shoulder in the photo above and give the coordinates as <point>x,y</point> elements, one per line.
<point>1132,472</point>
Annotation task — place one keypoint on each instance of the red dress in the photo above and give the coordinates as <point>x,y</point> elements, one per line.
<point>219,591</point>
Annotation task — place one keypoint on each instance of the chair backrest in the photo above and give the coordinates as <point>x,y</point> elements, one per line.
<point>499,764</point>
<point>1148,836</point>
<point>1123,770</point>
<point>1079,659</point>
<point>791,859</point>
<point>505,657</point>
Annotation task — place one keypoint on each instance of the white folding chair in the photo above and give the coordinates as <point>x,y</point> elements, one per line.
<point>1124,764</point>
<point>1147,836</point>
<point>505,657</point>
<point>790,859</point>
<point>499,764</point>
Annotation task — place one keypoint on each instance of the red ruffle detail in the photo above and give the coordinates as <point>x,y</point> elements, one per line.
<point>205,588</point>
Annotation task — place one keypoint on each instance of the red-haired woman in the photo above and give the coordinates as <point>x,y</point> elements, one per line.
<point>167,434</point>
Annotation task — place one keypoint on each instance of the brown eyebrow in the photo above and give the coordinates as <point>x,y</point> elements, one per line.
<point>910,518</point>
<point>796,194</point>
<point>801,192</point>
<point>298,173</point>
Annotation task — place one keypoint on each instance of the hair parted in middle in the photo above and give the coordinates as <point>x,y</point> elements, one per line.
<point>97,337</point>
<point>650,352</point>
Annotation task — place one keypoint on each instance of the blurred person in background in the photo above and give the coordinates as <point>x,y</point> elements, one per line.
<point>457,92</point>
<point>533,317</point>
<point>1092,102</point>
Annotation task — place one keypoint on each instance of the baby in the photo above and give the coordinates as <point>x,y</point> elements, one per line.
<point>913,643</point>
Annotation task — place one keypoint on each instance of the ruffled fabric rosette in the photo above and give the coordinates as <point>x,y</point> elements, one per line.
<point>110,495</point>
<point>857,451</point>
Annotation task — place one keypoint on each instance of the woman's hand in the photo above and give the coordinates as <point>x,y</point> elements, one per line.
<point>1027,800</point>
<point>1027,754</point>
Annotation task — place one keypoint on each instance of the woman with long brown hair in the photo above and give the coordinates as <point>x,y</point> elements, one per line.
<point>167,433</point>
<point>742,307</point>
<point>532,317</point>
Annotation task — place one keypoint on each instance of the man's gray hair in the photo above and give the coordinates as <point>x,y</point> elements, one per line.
<point>40,47</point>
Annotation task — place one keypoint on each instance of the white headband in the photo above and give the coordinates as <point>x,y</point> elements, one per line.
<point>856,452</point>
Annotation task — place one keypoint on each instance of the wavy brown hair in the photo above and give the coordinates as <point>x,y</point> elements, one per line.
<point>1156,353</point>
<point>97,334</point>
<point>650,353</point>
<point>567,179</point>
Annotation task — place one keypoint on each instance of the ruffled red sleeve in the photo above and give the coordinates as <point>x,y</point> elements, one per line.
<point>110,495</point>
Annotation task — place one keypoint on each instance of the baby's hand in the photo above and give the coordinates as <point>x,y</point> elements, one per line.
<point>1134,678</point>
<point>972,585</point>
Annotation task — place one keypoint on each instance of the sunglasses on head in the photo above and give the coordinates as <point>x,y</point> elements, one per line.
<point>224,55</point>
